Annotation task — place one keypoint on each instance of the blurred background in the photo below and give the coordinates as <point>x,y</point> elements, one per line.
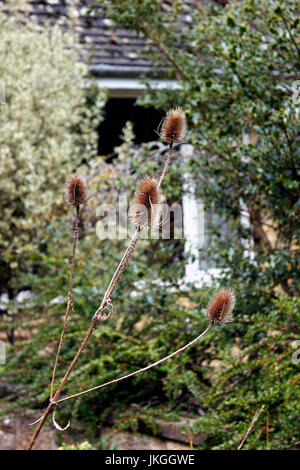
<point>84,85</point>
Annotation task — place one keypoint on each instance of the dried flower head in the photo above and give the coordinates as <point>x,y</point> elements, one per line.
<point>76,190</point>
<point>173,127</point>
<point>221,305</point>
<point>146,202</point>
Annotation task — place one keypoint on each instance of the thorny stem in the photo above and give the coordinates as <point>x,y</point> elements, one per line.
<point>120,269</point>
<point>163,174</point>
<point>115,279</point>
<point>55,401</point>
<point>75,238</point>
<point>255,418</point>
<point>39,427</point>
<point>143,369</point>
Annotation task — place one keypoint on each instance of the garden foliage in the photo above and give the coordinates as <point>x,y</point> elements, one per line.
<point>236,66</point>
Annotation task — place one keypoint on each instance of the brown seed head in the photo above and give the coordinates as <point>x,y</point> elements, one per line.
<point>173,127</point>
<point>221,305</point>
<point>146,202</point>
<point>76,190</point>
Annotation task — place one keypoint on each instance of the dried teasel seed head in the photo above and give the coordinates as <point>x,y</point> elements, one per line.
<point>173,127</point>
<point>146,202</point>
<point>76,190</point>
<point>221,305</point>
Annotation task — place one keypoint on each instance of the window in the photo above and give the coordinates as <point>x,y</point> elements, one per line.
<point>116,113</point>
<point>199,223</point>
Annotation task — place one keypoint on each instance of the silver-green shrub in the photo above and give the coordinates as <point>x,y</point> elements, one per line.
<point>46,130</point>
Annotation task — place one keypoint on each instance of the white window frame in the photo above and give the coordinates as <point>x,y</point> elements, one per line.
<point>194,232</point>
<point>192,229</point>
<point>132,87</point>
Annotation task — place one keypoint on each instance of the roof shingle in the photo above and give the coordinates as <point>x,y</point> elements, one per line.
<point>106,47</point>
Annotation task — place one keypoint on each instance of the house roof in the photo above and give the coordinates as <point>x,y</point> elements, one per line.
<point>109,50</point>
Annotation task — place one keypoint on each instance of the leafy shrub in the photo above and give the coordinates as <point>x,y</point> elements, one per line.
<point>47,128</point>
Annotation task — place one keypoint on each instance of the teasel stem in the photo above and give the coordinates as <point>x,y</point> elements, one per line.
<point>167,163</point>
<point>176,126</point>
<point>160,361</point>
<point>75,239</point>
<point>40,425</point>
<point>119,271</point>
<point>255,418</point>
<point>111,287</point>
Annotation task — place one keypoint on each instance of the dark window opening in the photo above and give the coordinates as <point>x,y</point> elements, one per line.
<point>117,112</point>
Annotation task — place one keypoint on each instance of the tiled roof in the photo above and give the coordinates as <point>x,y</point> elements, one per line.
<point>107,48</point>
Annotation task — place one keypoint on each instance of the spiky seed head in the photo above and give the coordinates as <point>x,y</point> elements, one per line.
<point>146,202</point>
<point>221,305</point>
<point>173,127</point>
<point>76,190</point>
